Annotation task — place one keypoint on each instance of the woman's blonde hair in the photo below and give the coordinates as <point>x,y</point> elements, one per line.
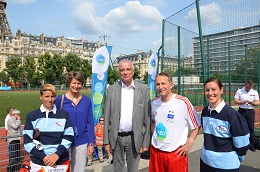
<point>48,87</point>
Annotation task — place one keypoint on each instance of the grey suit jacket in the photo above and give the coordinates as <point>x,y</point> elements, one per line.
<point>141,115</point>
<point>14,129</point>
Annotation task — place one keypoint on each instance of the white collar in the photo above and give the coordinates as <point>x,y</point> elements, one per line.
<point>132,85</point>
<point>45,110</point>
<point>245,89</point>
<point>219,106</point>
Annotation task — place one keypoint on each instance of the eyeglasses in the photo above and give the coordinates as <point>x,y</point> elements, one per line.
<point>101,120</point>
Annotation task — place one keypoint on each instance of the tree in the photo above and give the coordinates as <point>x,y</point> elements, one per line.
<point>136,73</point>
<point>72,63</point>
<point>29,70</point>
<point>113,76</point>
<point>187,71</point>
<point>145,78</point>
<point>14,69</point>
<point>86,68</point>
<point>170,72</point>
<point>58,68</point>
<point>251,66</point>
<point>4,77</point>
<point>46,68</point>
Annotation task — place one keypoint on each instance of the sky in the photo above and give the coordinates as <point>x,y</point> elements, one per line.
<point>129,25</point>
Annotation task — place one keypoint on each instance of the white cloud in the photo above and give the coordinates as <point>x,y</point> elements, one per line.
<point>156,44</point>
<point>155,3</point>
<point>210,14</point>
<point>83,15</point>
<point>133,17</point>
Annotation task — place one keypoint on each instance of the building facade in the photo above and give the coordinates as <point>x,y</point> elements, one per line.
<point>23,45</point>
<point>217,50</point>
<point>140,60</point>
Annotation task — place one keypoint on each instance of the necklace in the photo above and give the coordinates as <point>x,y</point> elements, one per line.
<point>74,99</point>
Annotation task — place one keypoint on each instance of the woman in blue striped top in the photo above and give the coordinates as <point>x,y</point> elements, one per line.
<point>54,133</point>
<point>226,134</point>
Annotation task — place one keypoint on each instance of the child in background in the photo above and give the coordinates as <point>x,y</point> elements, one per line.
<point>99,133</point>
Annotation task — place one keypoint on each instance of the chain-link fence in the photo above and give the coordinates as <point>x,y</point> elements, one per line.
<point>12,154</point>
<point>213,38</point>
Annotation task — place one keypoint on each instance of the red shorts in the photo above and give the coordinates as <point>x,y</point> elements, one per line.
<point>161,161</point>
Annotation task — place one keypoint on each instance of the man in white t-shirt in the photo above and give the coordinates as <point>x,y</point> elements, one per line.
<point>9,113</point>
<point>172,114</point>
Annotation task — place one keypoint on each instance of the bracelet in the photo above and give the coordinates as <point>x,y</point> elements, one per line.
<point>91,144</point>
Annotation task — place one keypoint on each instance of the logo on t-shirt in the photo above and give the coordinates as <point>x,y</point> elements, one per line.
<point>170,116</point>
<point>161,132</point>
<point>221,128</point>
<point>58,124</point>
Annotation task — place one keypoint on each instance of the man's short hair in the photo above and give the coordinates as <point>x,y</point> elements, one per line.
<point>15,111</point>
<point>125,61</point>
<point>249,82</point>
<point>165,74</point>
<point>9,109</point>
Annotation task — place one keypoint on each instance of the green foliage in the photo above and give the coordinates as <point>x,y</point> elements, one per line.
<point>50,69</point>
<point>113,76</point>
<point>29,70</point>
<point>217,75</point>
<point>72,63</point>
<point>169,72</point>
<point>58,69</point>
<point>46,67</point>
<point>136,73</point>
<point>145,78</point>
<point>187,71</point>
<point>248,69</point>
<point>14,69</point>
<point>4,77</point>
<point>86,68</point>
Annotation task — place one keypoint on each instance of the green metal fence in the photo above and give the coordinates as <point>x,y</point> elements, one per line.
<point>213,38</point>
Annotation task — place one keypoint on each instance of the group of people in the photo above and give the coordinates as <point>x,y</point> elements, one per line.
<point>61,133</point>
<point>131,125</point>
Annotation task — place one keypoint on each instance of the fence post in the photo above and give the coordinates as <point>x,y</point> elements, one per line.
<point>229,76</point>
<point>162,58</point>
<point>258,60</point>
<point>201,44</point>
<point>245,63</point>
<point>179,61</point>
<point>208,60</point>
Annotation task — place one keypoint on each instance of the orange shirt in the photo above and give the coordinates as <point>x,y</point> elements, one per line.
<point>99,132</point>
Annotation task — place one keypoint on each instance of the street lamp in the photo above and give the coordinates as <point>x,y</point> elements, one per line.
<point>104,38</point>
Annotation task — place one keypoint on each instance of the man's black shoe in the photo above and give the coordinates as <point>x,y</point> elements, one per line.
<point>252,149</point>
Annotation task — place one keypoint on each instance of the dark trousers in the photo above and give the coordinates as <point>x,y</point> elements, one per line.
<point>249,115</point>
<point>14,156</point>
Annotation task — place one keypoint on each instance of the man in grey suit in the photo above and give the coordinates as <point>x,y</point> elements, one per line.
<point>127,119</point>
